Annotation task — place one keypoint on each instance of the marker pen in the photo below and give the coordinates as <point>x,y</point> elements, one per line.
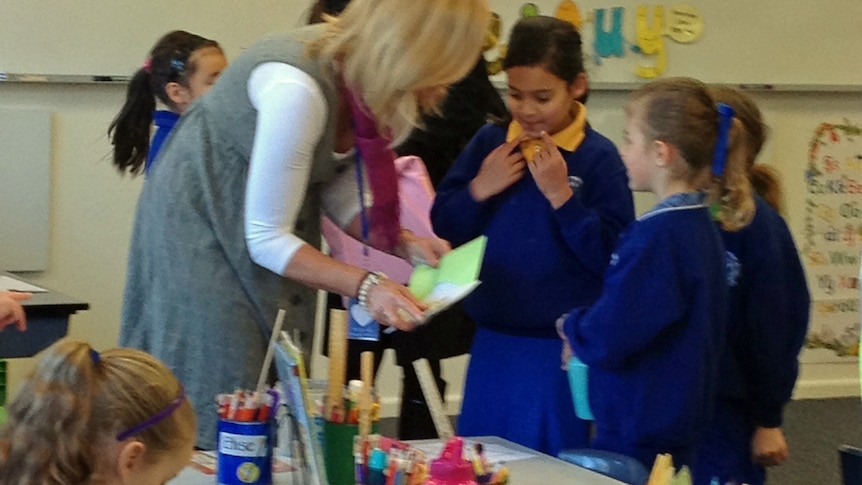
<point>376,465</point>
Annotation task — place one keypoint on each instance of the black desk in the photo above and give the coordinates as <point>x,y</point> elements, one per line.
<point>47,321</point>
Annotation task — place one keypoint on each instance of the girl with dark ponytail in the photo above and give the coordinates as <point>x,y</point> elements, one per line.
<point>180,68</point>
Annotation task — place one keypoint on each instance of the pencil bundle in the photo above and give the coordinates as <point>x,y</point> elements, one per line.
<point>247,406</point>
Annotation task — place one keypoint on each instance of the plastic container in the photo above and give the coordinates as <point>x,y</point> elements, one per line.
<point>245,452</point>
<point>338,451</point>
<point>579,383</point>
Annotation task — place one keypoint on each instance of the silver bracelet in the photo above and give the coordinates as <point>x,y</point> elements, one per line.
<point>373,278</point>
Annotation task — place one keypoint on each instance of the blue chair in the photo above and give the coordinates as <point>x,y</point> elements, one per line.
<point>619,467</point>
<point>851,464</point>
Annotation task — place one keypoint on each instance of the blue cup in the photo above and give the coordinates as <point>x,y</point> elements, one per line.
<point>579,383</point>
<point>245,452</point>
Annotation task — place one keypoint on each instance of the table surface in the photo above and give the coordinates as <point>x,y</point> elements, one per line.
<point>48,301</point>
<point>539,470</point>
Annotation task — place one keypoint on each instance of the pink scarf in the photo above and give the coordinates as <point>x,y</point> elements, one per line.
<point>373,148</point>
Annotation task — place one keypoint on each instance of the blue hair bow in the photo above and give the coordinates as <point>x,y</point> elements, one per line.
<point>719,156</point>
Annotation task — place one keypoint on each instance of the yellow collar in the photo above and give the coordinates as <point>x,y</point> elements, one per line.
<point>568,138</point>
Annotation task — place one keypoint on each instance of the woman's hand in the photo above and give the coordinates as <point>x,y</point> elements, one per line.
<point>11,310</point>
<point>394,305</point>
<point>421,250</point>
<point>768,446</point>
<point>500,169</point>
<point>551,173</point>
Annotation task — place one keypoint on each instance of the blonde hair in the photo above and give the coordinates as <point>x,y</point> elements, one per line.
<point>681,112</point>
<point>70,410</point>
<point>389,49</point>
<point>764,179</point>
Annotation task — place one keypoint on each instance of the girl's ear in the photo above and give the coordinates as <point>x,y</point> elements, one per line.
<point>131,458</point>
<point>578,88</point>
<point>664,153</point>
<point>179,96</point>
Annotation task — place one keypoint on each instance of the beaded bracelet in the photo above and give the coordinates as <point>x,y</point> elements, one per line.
<point>372,278</point>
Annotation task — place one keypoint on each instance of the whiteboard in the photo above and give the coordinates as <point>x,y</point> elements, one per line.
<point>752,42</point>
<point>25,182</point>
<point>113,37</point>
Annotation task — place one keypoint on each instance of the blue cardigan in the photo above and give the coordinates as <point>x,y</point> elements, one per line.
<point>769,304</point>
<point>539,262</point>
<point>654,338</point>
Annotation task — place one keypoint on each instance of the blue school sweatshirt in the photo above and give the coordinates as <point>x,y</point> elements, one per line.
<point>165,122</point>
<point>768,316</point>
<point>654,337</point>
<point>539,262</point>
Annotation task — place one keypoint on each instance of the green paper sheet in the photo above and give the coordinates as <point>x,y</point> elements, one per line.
<point>459,267</point>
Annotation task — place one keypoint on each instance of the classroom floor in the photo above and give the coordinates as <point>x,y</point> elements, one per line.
<point>814,429</point>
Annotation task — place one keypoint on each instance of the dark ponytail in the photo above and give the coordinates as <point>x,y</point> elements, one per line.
<point>169,61</point>
<point>130,130</point>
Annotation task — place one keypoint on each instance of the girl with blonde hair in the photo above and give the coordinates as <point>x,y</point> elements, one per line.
<point>766,326</point>
<point>86,417</point>
<point>227,228</point>
<point>654,338</point>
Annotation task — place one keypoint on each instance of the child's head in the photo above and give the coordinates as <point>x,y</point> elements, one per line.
<point>545,69</point>
<point>181,67</point>
<point>764,179</point>
<point>403,59</point>
<point>672,127</point>
<point>83,417</point>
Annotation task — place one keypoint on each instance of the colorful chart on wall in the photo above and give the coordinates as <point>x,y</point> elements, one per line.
<point>832,239</point>
<point>761,43</point>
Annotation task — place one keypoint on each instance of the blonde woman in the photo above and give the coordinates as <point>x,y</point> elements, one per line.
<point>227,226</point>
<point>82,416</point>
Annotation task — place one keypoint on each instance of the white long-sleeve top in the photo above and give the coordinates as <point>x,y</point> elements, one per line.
<point>291,119</point>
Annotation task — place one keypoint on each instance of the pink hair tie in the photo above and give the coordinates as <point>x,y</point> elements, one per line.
<point>147,66</point>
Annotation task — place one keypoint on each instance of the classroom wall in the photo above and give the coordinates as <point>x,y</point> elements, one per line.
<point>92,206</point>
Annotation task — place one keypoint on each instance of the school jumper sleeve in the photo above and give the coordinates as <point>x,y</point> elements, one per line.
<point>456,215</point>
<point>777,316</point>
<point>291,118</point>
<point>592,219</point>
<point>627,318</point>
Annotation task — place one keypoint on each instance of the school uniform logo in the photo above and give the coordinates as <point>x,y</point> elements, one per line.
<point>732,268</point>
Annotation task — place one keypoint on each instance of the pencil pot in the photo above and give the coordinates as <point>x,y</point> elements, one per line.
<point>579,383</point>
<point>338,452</point>
<point>245,452</point>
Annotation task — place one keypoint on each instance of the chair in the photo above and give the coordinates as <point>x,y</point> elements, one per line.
<point>851,464</point>
<point>614,465</point>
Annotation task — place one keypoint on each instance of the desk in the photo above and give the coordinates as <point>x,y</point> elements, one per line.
<point>539,470</point>
<point>47,321</point>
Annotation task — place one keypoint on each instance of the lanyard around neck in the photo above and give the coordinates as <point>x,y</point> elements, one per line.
<point>363,214</point>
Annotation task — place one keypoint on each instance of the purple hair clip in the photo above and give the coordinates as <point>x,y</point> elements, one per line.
<point>154,419</point>
<point>95,356</point>
<point>147,66</point>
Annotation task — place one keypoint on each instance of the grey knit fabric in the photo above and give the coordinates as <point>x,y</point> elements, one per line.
<point>193,297</point>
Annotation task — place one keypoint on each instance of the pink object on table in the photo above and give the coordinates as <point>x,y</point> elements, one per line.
<point>451,468</point>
